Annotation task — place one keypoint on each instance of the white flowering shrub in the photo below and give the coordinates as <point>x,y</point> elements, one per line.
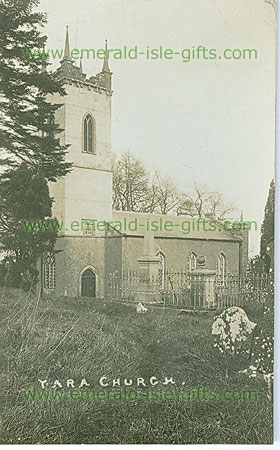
<point>231,330</point>
<point>263,343</point>
<point>234,334</point>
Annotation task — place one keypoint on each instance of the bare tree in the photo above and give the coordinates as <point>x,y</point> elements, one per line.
<point>167,197</point>
<point>135,190</point>
<point>201,202</point>
<point>131,188</point>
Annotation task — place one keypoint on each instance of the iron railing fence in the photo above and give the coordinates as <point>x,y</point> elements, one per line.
<point>189,289</point>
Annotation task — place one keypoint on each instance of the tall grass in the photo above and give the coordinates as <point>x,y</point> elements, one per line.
<point>61,338</point>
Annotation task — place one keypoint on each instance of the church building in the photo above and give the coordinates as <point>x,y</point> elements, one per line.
<point>87,252</point>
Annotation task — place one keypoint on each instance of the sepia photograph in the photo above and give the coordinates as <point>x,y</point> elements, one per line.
<point>137,198</point>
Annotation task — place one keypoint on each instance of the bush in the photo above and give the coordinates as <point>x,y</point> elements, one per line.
<point>18,275</point>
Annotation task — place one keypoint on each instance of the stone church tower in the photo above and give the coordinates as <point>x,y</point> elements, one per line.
<point>93,261</point>
<point>84,196</point>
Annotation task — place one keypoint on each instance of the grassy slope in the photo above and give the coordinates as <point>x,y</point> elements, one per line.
<point>110,339</point>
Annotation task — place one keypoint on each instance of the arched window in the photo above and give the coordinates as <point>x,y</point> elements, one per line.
<point>89,134</point>
<point>221,267</point>
<point>192,261</point>
<point>49,271</point>
<point>161,269</point>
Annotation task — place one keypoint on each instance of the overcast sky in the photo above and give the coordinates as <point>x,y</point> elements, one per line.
<point>203,120</point>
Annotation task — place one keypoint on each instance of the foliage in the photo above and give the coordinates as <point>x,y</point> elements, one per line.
<point>24,196</point>
<point>28,132</point>
<point>31,150</point>
<point>267,228</point>
<point>262,348</point>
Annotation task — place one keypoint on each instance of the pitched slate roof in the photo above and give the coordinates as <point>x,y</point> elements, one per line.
<point>167,226</point>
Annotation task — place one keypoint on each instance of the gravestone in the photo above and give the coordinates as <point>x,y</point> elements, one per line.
<point>148,270</point>
<point>203,285</point>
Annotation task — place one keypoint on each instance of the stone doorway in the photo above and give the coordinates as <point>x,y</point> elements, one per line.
<point>88,283</point>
